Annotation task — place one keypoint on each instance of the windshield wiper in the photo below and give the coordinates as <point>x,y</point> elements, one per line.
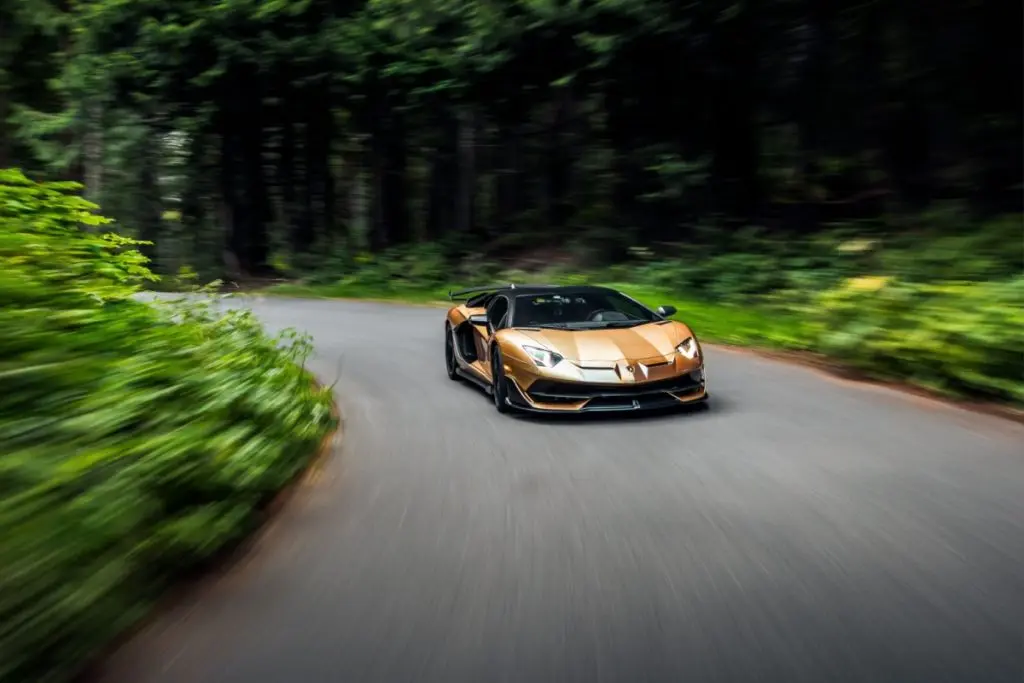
<point>588,325</point>
<point>625,323</point>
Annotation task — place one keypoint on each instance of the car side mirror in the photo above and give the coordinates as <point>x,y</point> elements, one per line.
<point>479,319</point>
<point>666,311</point>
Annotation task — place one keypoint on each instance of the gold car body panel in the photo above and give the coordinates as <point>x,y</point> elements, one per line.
<point>615,358</point>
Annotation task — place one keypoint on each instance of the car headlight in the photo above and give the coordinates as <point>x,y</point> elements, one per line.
<point>542,357</point>
<point>688,347</point>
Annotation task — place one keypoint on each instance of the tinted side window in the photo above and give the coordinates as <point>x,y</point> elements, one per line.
<point>497,311</point>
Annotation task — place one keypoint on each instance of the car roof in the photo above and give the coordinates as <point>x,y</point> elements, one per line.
<point>534,290</point>
<point>478,296</point>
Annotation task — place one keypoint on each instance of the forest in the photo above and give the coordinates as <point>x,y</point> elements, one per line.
<point>837,178</point>
<point>248,139</point>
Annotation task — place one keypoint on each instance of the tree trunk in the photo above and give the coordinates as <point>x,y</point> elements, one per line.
<point>293,191</point>
<point>148,209</point>
<point>379,238</point>
<point>559,163</point>
<point>193,213</point>
<point>734,170</point>
<point>627,183</point>
<point>810,112</point>
<point>465,217</point>
<point>92,151</point>
<point>332,228</point>
<point>441,202</point>
<point>509,178</point>
<point>344,187</point>
<point>319,180</point>
<point>5,102</point>
<point>395,181</point>
<point>256,247</point>
<point>243,181</point>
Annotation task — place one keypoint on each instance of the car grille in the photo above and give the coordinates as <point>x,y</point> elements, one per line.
<point>551,391</point>
<point>642,402</point>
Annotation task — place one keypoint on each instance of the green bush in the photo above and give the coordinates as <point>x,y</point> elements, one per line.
<point>750,265</point>
<point>135,440</point>
<point>399,268</point>
<point>945,312</point>
<point>961,338</point>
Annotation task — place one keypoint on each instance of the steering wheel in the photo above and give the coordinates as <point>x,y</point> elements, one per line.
<point>599,315</point>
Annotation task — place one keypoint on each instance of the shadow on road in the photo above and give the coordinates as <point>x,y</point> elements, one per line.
<point>683,411</point>
<point>715,404</point>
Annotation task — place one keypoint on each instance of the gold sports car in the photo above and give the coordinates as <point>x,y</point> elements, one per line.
<point>552,348</point>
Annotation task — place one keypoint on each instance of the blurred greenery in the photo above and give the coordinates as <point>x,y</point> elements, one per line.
<point>136,440</point>
<point>937,307</point>
<point>752,161</point>
<point>227,133</point>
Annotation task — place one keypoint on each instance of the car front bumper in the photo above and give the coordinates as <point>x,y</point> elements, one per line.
<point>552,396</point>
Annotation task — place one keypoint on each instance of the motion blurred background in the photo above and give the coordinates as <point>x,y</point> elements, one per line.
<point>849,172</point>
<point>841,179</point>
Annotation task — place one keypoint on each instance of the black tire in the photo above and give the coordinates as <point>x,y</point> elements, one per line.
<point>499,385</point>
<point>450,366</point>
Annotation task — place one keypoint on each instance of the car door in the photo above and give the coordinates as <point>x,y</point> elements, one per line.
<point>497,314</point>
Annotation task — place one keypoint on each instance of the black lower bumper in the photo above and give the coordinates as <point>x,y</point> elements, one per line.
<point>674,392</point>
<point>643,403</point>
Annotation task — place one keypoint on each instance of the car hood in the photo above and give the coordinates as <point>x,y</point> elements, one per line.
<point>653,340</point>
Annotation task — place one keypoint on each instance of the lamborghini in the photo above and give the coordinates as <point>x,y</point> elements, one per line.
<point>556,348</point>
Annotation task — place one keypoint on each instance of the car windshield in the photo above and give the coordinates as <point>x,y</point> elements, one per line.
<point>580,310</point>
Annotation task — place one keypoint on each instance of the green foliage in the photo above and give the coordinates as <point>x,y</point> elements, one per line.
<point>948,316</point>
<point>948,245</point>
<point>755,266</point>
<point>419,266</point>
<point>958,337</point>
<point>137,440</point>
<point>44,248</point>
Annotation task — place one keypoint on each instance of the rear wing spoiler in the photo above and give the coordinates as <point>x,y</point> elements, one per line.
<point>465,293</point>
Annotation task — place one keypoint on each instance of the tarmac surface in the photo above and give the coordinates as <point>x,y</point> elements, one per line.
<point>802,528</point>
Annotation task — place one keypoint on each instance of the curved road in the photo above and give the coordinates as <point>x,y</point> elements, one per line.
<point>802,529</point>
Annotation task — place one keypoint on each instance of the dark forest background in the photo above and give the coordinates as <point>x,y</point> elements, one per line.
<point>255,138</point>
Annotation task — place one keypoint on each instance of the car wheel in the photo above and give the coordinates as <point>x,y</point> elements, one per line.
<point>499,385</point>
<point>449,353</point>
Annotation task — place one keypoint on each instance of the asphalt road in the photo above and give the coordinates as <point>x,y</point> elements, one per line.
<point>801,529</point>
